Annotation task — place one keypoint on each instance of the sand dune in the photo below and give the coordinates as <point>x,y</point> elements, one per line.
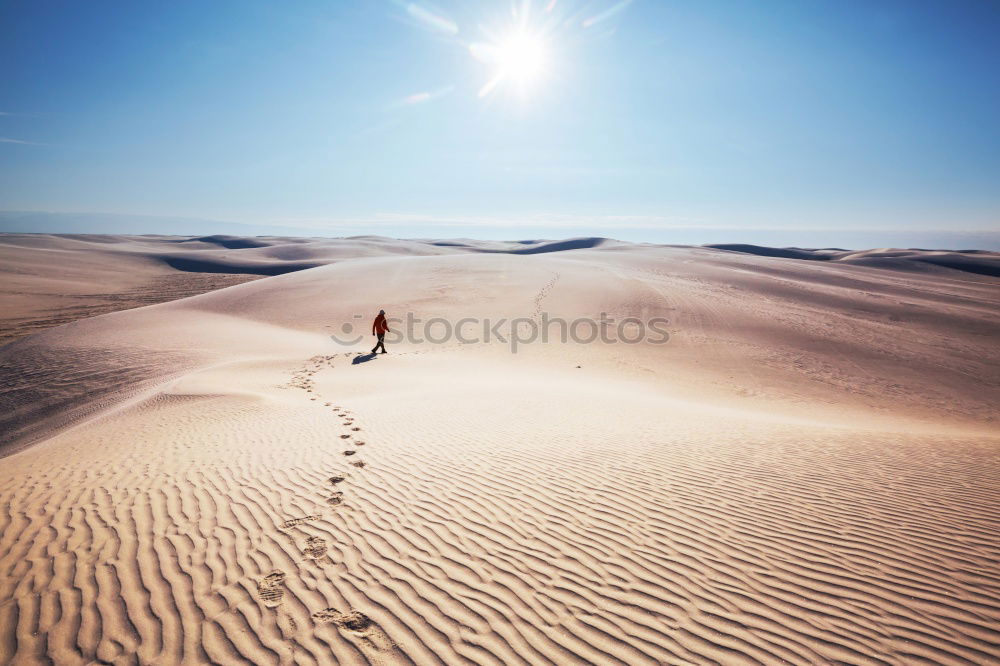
<point>49,280</point>
<point>54,279</point>
<point>970,261</point>
<point>46,280</point>
<point>806,472</point>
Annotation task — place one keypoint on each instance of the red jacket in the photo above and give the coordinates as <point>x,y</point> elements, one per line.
<point>381,326</point>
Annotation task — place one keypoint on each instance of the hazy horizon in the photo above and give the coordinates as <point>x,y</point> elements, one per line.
<point>97,223</point>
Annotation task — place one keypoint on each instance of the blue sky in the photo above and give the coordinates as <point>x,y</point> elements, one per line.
<point>645,120</point>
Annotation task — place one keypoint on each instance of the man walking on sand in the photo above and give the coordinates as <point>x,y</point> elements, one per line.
<point>380,327</point>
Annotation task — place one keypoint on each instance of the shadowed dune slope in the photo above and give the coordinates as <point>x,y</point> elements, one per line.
<point>979,262</point>
<point>223,265</point>
<point>807,471</point>
<point>228,242</point>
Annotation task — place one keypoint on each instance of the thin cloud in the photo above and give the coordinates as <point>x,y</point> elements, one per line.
<point>4,139</point>
<point>423,97</point>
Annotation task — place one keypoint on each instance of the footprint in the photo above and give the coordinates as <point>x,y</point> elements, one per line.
<point>335,499</point>
<point>344,436</point>
<point>372,641</point>
<point>326,615</point>
<point>292,522</point>
<point>353,620</point>
<point>355,429</point>
<point>359,463</point>
<point>271,588</point>
<point>337,478</point>
<point>359,443</point>
<point>315,548</point>
<point>349,453</point>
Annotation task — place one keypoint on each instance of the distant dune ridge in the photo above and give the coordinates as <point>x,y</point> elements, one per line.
<point>806,472</point>
<point>970,261</point>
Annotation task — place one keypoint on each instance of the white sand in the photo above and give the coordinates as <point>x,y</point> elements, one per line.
<point>807,471</point>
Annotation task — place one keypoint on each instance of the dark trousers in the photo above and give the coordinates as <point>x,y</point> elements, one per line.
<point>381,343</point>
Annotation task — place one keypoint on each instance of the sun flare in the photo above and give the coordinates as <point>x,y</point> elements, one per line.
<point>526,51</point>
<point>518,60</point>
<point>521,58</point>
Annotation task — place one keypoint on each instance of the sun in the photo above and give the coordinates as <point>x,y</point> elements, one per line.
<point>517,61</point>
<point>525,52</point>
<point>521,57</point>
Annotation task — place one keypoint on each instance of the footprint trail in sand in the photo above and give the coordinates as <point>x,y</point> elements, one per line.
<point>360,629</point>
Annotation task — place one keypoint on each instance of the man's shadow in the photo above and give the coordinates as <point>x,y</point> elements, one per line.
<point>363,359</point>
